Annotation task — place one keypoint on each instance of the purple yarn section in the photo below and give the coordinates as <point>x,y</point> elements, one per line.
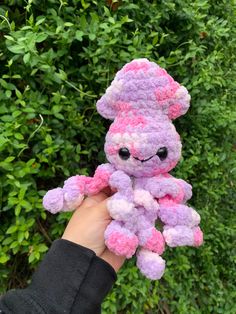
<point>161,186</point>
<point>178,214</point>
<point>187,190</point>
<point>122,183</point>
<point>144,234</point>
<point>150,264</point>
<point>53,201</point>
<point>116,226</point>
<point>73,192</point>
<point>179,236</point>
<point>121,209</point>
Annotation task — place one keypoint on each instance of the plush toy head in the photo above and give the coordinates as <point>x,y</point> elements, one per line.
<point>142,100</point>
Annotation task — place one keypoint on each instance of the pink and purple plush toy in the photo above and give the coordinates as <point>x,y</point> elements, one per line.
<point>142,146</point>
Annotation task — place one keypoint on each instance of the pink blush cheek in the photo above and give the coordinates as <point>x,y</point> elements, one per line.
<point>111,150</point>
<point>133,150</point>
<point>172,165</point>
<point>168,167</point>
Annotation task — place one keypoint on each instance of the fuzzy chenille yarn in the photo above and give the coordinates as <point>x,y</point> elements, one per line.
<point>142,146</point>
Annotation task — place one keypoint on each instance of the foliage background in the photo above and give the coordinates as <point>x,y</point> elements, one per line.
<point>56,58</point>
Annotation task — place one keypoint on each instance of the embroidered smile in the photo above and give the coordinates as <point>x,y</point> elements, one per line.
<point>142,160</point>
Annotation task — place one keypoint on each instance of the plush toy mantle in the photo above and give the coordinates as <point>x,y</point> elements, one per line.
<point>142,146</point>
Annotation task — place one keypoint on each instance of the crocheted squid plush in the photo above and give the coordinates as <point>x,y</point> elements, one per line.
<point>142,146</point>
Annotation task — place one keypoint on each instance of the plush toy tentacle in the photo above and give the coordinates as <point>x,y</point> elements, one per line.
<point>178,214</point>
<point>150,264</point>
<point>181,224</point>
<point>121,205</point>
<point>122,208</point>
<point>100,180</point>
<point>152,240</point>
<point>72,194</point>
<point>187,189</point>
<point>120,240</point>
<point>53,201</point>
<point>145,199</point>
<point>161,187</point>
<point>66,198</point>
<point>121,182</point>
<point>183,235</point>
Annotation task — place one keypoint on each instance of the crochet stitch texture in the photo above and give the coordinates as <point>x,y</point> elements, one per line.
<point>142,146</point>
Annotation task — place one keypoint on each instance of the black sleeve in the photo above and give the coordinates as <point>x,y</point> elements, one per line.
<point>70,279</point>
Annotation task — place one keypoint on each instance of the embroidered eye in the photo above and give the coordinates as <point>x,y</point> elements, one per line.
<point>124,153</point>
<point>162,153</point>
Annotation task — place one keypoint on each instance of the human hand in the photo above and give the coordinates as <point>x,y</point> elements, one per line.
<point>87,227</point>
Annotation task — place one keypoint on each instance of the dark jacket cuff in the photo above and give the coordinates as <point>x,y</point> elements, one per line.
<point>70,279</point>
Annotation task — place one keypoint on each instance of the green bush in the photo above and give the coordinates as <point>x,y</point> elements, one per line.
<point>56,59</point>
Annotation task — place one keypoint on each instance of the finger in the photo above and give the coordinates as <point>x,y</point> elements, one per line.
<point>107,190</point>
<point>93,200</point>
<point>100,210</point>
<point>114,260</point>
<point>95,206</point>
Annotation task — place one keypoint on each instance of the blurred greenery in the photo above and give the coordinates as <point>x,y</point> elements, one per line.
<point>56,60</point>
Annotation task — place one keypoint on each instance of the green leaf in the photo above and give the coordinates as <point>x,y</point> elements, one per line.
<point>9,37</point>
<point>26,58</point>
<point>11,229</point>
<point>83,23</point>
<point>68,24</point>
<point>18,94</point>
<point>16,113</point>
<point>9,159</point>
<point>17,49</point>
<point>31,257</point>
<point>19,136</point>
<point>92,36</point>
<point>20,237</point>
<point>42,248</point>
<point>56,109</point>
<point>41,37</point>
<point>79,35</point>
<point>6,85</point>
<point>26,235</point>
<point>40,21</point>
<point>8,93</point>
<point>6,118</point>
<point>4,258</point>
<point>17,209</point>
<point>7,241</point>
<point>48,139</point>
